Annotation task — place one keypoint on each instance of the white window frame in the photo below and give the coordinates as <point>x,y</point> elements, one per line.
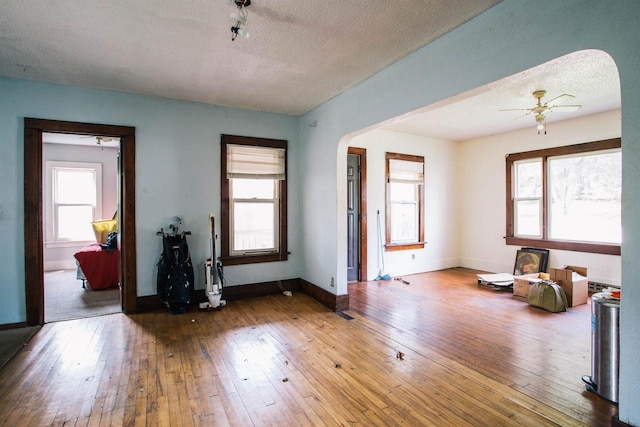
<point>274,202</point>
<point>51,207</point>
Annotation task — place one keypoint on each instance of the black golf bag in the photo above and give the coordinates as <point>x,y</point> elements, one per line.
<point>175,273</point>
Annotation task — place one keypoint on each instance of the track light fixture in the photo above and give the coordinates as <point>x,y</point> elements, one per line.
<point>240,19</point>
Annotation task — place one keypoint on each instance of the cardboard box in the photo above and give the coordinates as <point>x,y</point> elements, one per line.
<point>574,282</point>
<point>522,284</point>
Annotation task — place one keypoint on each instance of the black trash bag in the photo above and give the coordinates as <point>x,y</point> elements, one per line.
<point>111,244</point>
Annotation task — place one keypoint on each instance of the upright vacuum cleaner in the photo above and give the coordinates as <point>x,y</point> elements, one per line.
<point>213,273</point>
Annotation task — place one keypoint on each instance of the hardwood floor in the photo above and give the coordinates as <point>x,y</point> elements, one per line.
<point>439,351</point>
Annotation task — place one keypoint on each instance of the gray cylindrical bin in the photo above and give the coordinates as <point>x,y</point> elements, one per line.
<point>605,346</point>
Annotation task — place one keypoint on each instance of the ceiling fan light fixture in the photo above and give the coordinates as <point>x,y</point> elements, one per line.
<point>539,109</point>
<point>541,123</point>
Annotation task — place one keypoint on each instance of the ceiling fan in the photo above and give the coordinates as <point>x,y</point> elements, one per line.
<point>100,139</point>
<point>540,109</point>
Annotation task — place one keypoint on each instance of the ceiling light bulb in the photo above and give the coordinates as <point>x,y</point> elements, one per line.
<point>540,120</point>
<point>237,30</point>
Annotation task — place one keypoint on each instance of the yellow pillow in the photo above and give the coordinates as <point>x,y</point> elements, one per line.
<point>103,227</point>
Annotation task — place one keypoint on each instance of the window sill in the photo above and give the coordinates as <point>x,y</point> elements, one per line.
<point>253,259</point>
<point>389,247</point>
<point>594,248</point>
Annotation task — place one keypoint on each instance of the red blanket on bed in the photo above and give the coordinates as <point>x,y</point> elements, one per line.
<point>99,267</point>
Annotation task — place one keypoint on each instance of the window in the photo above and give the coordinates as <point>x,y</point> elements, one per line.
<point>528,197</point>
<point>254,200</point>
<point>405,202</point>
<point>74,200</point>
<point>566,197</point>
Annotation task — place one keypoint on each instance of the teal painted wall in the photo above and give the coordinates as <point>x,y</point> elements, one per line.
<point>177,174</point>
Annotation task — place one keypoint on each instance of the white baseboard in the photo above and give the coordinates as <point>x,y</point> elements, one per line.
<point>415,267</point>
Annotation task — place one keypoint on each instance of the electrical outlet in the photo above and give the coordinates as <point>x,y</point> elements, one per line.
<point>413,256</point>
<point>332,282</point>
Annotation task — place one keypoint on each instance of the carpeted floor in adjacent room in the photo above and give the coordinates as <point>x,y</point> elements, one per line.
<point>65,299</point>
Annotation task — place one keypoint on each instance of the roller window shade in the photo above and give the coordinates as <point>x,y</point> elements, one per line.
<point>406,171</point>
<point>250,162</point>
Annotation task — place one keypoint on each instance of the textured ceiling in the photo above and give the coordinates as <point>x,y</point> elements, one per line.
<point>300,52</point>
<point>591,76</point>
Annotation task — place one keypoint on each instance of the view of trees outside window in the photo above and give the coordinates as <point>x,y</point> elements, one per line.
<point>585,197</point>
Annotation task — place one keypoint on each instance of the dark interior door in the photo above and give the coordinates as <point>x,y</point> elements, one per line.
<point>353,217</point>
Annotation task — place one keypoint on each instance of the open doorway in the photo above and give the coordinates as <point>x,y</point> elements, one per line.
<point>34,212</point>
<point>80,205</point>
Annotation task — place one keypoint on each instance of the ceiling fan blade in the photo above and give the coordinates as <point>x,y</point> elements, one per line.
<point>565,108</point>
<point>521,116</point>
<point>99,137</point>
<point>558,97</point>
<point>517,109</point>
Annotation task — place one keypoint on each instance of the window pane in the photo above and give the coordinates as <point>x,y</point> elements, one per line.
<point>404,212</point>
<point>401,191</point>
<point>527,218</point>
<point>253,188</point>
<point>75,186</point>
<point>74,223</point>
<point>404,224</point>
<point>253,226</point>
<point>528,179</point>
<point>585,197</point>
